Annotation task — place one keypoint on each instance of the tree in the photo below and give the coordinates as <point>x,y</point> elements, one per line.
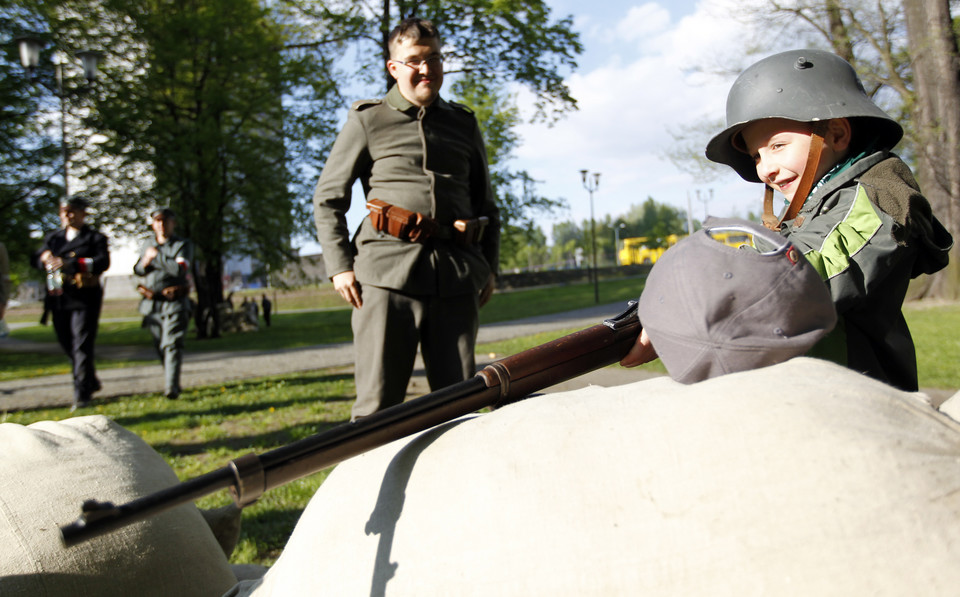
<point>32,166</point>
<point>225,109</point>
<point>219,119</point>
<point>499,40</point>
<point>485,43</point>
<point>650,219</point>
<point>932,34</point>
<point>515,191</point>
<point>655,221</point>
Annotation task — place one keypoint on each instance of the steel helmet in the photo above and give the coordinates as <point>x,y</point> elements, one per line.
<point>802,85</point>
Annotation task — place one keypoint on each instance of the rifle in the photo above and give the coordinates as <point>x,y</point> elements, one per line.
<point>499,383</point>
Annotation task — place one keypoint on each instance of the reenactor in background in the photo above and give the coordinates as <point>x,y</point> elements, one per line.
<point>267,309</point>
<point>164,266</point>
<point>73,259</point>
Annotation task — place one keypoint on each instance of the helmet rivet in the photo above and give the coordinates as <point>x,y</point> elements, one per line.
<point>803,63</point>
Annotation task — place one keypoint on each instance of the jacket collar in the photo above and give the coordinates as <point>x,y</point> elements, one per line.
<point>396,101</point>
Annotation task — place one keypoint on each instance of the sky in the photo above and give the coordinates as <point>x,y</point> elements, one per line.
<point>635,84</point>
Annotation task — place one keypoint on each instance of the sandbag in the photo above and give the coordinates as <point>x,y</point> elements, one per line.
<point>799,479</point>
<point>48,469</point>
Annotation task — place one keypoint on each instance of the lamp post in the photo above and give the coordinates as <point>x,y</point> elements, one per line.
<point>30,47</point>
<point>591,182</point>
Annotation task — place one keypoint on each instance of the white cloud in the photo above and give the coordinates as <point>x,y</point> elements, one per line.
<point>643,21</point>
<point>645,87</point>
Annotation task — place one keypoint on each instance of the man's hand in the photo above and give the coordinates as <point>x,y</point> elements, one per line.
<point>50,261</point>
<point>641,352</point>
<point>346,284</point>
<point>487,290</point>
<point>149,255</point>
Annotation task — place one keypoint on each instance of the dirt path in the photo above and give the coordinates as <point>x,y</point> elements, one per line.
<point>208,368</point>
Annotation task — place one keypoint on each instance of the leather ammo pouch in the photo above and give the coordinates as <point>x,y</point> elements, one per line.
<point>174,293</point>
<point>401,223</point>
<point>170,293</point>
<point>469,232</point>
<point>85,280</point>
<point>416,227</point>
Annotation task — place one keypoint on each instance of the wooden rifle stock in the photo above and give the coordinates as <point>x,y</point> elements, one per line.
<point>499,383</point>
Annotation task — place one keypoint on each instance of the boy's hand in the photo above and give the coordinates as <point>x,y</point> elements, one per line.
<point>641,352</point>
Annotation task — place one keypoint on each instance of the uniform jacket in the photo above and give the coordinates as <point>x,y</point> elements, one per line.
<point>165,270</point>
<point>869,231</point>
<point>430,160</point>
<point>86,253</point>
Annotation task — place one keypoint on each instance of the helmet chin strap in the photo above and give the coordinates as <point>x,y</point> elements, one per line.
<point>770,220</point>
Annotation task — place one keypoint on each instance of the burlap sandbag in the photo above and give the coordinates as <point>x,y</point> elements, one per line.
<point>799,479</point>
<point>48,469</point>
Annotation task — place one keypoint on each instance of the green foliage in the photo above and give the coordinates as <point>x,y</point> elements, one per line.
<point>32,166</point>
<point>513,40</point>
<point>650,219</point>
<point>654,220</point>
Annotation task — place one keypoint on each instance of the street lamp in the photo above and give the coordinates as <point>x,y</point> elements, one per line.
<point>30,47</point>
<point>591,182</point>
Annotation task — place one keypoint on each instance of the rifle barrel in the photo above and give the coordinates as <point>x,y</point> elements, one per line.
<point>499,383</point>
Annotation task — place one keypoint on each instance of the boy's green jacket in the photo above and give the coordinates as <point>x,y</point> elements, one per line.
<point>869,231</point>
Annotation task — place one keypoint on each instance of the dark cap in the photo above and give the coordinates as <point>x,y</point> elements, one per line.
<point>165,212</point>
<point>711,309</point>
<point>76,202</point>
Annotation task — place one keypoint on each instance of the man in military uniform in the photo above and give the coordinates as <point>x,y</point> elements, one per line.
<point>422,163</point>
<point>164,265</point>
<point>74,257</point>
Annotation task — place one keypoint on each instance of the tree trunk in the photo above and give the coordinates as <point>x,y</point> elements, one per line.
<point>208,276</point>
<point>936,119</point>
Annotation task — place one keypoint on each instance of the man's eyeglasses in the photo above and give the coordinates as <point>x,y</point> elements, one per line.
<point>432,61</point>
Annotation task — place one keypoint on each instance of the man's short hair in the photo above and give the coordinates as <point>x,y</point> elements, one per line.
<point>164,212</point>
<point>76,202</point>
<point>413,29</point>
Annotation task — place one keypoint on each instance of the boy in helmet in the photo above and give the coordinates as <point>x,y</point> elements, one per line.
<point>800,122</point>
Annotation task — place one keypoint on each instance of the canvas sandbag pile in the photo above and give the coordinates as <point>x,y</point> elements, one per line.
<point>48,469</point>
<point>802,478</point>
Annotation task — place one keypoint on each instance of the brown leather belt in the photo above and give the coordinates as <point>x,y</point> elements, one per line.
<point>415,227</point>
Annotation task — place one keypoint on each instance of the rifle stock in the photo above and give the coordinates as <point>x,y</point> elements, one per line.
<point>499,383</point>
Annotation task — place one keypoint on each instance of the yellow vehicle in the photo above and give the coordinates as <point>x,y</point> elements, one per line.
<point>734,238</point>
<point>640,250</point>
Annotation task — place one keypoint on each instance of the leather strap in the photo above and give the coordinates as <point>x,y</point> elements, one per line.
<point>803,187</point>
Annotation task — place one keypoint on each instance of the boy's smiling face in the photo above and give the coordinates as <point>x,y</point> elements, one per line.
<point>779,148</point>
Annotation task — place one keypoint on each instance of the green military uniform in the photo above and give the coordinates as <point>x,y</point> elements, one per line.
<point>429,160</point>
<point>167,314</point>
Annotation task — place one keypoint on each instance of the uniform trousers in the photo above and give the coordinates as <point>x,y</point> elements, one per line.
<point>76,331</point>
<point>168,331</point>
<point>386,332</point>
